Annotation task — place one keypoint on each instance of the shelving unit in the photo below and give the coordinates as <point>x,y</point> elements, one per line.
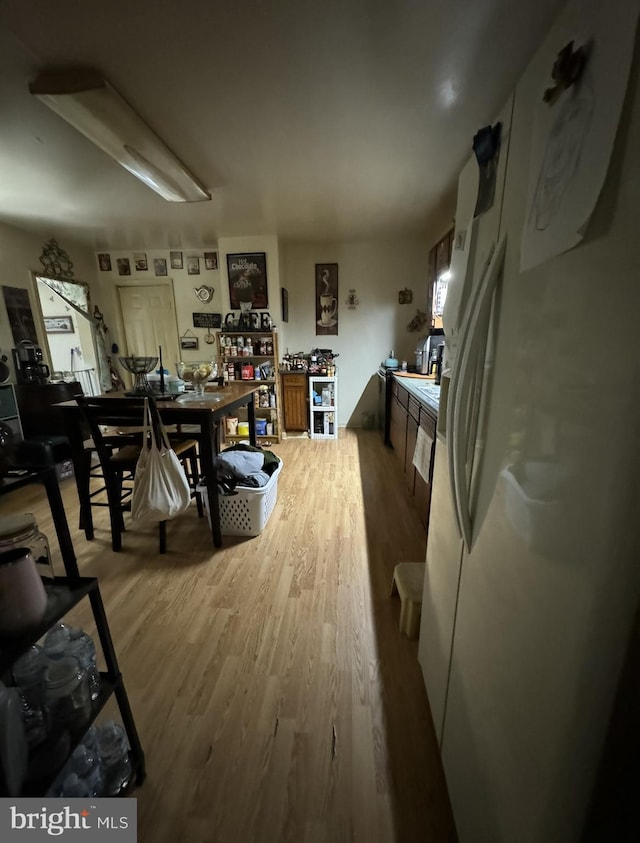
<point>9,413</point>
<point>62,595</point>
<point>233,356</point>
<point>323,417</point>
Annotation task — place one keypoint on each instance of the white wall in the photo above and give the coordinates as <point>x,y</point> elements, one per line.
<point>377,271</point>
<point>19,258</point>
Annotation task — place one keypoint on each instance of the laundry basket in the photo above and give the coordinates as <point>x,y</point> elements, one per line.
<point>247,512</point>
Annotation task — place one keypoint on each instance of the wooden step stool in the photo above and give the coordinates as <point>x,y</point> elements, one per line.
<point>408,581</point>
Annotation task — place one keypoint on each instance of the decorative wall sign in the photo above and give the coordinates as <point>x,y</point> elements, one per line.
<point>104,262</point>
<point>189,342</point>
<point>140,261</point>
<point>20,315</point>
<point>124,267</point>
<point>207,320</point>
<point>193,265</point>
<point>210,260</point>
<point>204,293</point>
<point>59,325</point>
<point>248,280</point>
<point>326,298</point>
<point>160,266</point>
<point>285,304</point>
<point>55,261</point>
<point>176,260</point>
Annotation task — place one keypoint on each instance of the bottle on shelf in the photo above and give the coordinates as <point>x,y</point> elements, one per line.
<point>28,674</point>
<point>114,756</point>
<point>66,695</point>
<point>63,641</point>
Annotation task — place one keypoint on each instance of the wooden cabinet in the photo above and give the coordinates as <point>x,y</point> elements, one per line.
<point>252,356</point>
<point>407,416</point>
<point>295,401</point>
<point>398,425</point>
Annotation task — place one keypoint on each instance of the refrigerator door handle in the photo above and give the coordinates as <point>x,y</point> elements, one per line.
<point>475,344</point>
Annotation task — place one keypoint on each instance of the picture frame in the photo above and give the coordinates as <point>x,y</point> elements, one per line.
<point>326,299</point>
<point>160,266</point>
<point>59,325</point>
<point>104,262</point>
<point>247,274</point>
<point>284,295</point>
<point>210,260</point>
<point>193,265</point>
<point>140,261</point>
<point>124,267</point>
<point>189,343</point>
<point>175,259</point>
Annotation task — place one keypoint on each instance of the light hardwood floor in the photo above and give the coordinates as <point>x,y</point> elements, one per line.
<point>275,698</point>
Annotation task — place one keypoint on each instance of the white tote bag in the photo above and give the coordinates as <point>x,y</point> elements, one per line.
<point>160,486</point>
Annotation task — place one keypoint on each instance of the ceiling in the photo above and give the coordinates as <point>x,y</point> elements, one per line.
<point>334,120</point>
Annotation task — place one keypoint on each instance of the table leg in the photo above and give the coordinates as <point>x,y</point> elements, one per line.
<point>251,415</point>
<point>208,466</point>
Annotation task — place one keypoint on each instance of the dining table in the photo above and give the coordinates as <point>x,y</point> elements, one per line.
<point>199,416</point>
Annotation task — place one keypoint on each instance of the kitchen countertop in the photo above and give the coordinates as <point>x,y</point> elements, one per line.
<point>422,388</point>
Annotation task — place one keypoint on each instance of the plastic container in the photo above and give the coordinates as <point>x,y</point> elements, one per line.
<point>23,600</point>
<point>243,428</point>
<point>86,764</point>
<point>114,758</point>
<point>82,648</point>
<point>22,531</point>
<point>28,674</point>
<point>66,695</point>
<point>261,427</point>
<point>247,512</point>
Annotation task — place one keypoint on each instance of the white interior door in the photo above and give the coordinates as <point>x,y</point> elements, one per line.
<point>149,321</point>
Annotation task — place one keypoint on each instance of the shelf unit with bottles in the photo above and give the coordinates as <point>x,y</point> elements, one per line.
<point>323,407</point>
<point>243,355</point>
<point>63,594</point>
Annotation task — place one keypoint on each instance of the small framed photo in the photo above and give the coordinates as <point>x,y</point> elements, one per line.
<point>160,266</point>
<point>189,343</point>
<point>124,267</point>
<point>175,258</point>
<point>247,274</point>
<point>193,265</point>
<point>104,262</point>
<point>58,325</point>
<point>140,261</point>
<point>210,260</point>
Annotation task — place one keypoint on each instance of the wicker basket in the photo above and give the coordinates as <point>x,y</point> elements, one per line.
<point>247,512</point>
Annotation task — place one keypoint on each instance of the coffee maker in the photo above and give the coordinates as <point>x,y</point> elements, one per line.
<point>27,359</point>
<point>426,351</point>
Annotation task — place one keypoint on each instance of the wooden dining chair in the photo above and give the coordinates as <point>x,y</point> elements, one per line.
<point>116,426</point>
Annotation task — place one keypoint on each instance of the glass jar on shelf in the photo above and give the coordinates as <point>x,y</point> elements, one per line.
<point>22,531</point>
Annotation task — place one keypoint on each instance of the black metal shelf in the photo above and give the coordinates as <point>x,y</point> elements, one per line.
<point>62,595</point>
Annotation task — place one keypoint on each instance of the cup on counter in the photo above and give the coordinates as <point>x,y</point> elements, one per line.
<point>231,425</point>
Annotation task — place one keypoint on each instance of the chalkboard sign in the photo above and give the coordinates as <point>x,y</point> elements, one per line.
<point>207,320</point>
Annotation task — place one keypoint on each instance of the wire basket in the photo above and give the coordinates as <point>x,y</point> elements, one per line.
<point>140,368</point>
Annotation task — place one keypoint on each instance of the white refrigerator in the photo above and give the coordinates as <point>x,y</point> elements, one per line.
<point>532,582</point>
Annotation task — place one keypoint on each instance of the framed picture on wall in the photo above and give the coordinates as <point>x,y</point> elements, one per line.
<point>210,260</point>
<point>247,273</point>
<point>124,267</point>
<point>285,304</point>
<point>176,260</point>
<point>58,325</point>
<point>326,298</point>
<point>160,266</point>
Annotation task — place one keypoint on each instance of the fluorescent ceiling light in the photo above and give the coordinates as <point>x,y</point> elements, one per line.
<point>86,101</point>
